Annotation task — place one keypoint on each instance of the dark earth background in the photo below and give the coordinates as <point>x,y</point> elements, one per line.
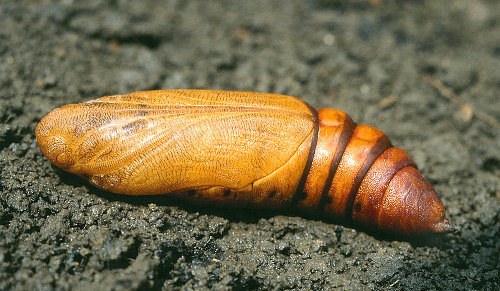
<point>425,72</point>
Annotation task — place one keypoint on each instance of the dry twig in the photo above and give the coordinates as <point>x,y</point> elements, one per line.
<point>466,109</point>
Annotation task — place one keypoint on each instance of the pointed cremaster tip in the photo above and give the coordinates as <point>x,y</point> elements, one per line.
<point>444,227</point>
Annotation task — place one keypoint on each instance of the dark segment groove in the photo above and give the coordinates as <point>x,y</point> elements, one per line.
<point>380,146</point>
<point>344,138</point>
<point>403,163</point>
<point>300,193</point>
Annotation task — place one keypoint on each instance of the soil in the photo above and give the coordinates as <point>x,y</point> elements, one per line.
<point>425,72</point>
